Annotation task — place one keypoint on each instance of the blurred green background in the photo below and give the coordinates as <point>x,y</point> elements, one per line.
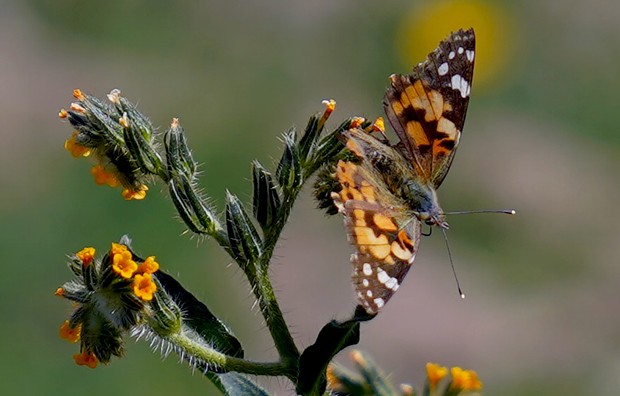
<point>541,316</point>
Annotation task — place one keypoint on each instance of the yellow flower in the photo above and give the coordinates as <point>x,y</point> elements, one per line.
<point>333,382</point>
<point>435,373</point>
<point>71,334</point>
<point>378,125</point>
<point>356,122</point>
<point>74,148</point>
<point>102,176</point>
<point>330,105</point>
<point>118,248</point>
<point>130,194</point>
<point>123,264</point>
<point>77,93</point>
<point>423,27</point>
<point>86,359</point>
<point>149,266</point>
<point>407,390</point>
<point>466,380</point>
<point>144,287</point>
<point>86,255</point>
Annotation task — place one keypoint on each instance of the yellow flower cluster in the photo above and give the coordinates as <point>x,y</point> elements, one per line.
<point>73,147</point>
<point>72,334</point>
<point>465,379</point>
<point>86,359</point>
<point>86,255</point>
<point>100,333</point>
<point>123,264</point>
<point>104,177</point>
<point>462,380</point>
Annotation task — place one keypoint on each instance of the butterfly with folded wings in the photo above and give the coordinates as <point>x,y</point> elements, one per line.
<point>390,189</point>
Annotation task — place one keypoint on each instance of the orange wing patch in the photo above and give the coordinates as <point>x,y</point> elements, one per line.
<point>418,104</point>
<point>384,251</point>
<point>427,108</point>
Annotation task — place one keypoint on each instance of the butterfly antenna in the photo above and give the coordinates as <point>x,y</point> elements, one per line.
<point>500,211</point>
<point>456,278</point>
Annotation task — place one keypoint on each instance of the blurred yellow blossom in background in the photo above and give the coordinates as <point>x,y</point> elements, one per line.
<point>429,22</point>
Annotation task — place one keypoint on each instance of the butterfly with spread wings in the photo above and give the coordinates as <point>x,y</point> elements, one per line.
<point>390,189</point>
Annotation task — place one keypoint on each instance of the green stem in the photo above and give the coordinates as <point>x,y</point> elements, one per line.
<point>263,290</point>
<point>225,362</point>
<point>282,338</point>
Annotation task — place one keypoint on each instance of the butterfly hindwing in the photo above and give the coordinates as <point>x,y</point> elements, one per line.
<point>385,240</point>
<point>427,108</point>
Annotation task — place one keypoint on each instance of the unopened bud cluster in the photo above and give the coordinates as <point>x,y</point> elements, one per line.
<point>120,137</point>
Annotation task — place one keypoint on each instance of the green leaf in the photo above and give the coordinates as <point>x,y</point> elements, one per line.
<point>199,318</point>
<point>333,337</point>
<point>233,384</point>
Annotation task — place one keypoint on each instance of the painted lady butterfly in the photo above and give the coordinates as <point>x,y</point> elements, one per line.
<point>391,189</point>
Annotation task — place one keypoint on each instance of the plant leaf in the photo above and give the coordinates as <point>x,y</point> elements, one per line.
<point>233,384</point>
<point>333,337</point>
<point>199,318</point>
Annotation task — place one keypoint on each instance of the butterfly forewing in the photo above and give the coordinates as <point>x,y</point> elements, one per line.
<point>427,108</point>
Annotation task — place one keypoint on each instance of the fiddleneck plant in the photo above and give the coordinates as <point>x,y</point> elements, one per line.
<point>121,294</point>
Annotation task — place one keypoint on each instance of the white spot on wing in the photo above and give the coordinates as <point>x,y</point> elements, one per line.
<point>461,84</point>
<point>369,293</point>
<point>367,269</point>
<point>443,69</point>
<point>451,55</point>
<point>379,302</point>
<point>365,282</point>
<point>461,50</point>
<point>470,55</point>
<point>382,276</point>
<point>392,283</point>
